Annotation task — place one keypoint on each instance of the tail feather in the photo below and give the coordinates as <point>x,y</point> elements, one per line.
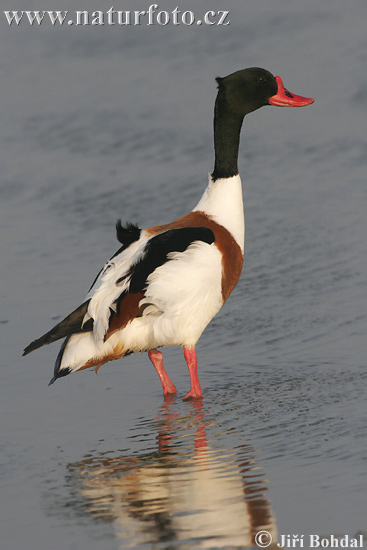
<point>70,325</point>
<point>58,373</point>
<point>80,351</point>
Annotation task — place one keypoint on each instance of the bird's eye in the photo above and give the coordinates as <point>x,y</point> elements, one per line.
<point>261,79</point>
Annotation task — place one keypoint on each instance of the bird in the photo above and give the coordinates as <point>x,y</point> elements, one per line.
<point>165,283</point>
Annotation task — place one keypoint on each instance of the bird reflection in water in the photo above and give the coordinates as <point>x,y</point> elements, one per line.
<point>184,493</point>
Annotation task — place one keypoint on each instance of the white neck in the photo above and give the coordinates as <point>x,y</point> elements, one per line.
<point>222,200</point>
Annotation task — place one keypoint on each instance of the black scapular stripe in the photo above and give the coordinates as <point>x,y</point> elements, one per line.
<point>156,254</point>
<point>71,324</point>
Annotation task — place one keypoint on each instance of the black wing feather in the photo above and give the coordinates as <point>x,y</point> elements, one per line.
<point>71,324</point>
<point>128,234</point>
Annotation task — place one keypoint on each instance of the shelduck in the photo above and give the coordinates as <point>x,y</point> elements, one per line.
<point>167,282</point>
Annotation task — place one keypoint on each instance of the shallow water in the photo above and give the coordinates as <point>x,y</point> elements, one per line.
<point>106,123</point>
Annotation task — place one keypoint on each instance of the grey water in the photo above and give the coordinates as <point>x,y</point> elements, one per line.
<point>107,122</point>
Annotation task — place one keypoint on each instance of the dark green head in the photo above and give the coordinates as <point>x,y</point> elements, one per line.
<point>241,93</point>
<point>247,90</point>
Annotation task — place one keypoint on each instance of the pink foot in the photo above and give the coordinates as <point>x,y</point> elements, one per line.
<point>192,363</point>
<point>193,395</point>
<point>156,358</point>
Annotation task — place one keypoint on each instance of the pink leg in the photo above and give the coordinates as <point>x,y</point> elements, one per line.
<point>192,363</point>
<point>156,358</point>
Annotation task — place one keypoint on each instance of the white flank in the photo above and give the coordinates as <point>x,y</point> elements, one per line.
<point>188,292</point>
